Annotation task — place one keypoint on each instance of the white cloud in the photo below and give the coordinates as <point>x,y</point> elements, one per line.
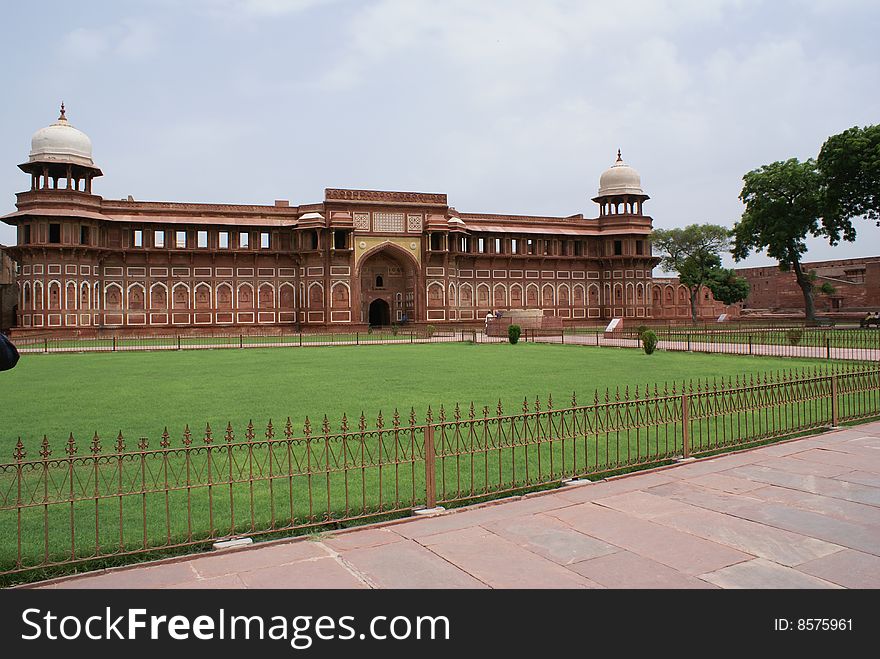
<point>129,38</point>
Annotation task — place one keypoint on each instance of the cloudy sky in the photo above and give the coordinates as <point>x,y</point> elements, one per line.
<point>505,105</point>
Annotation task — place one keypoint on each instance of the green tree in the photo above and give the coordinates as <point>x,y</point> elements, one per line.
<point>727,286</point>
<point>849,163</point>
<point>784,204</point>
<point>692,252</point>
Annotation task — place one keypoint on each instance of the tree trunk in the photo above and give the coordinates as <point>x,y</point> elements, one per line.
<point>695,294</point>
<point>803,280</point>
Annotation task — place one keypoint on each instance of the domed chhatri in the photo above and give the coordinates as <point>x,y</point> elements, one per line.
<point>61,158</point>
<point>620,179</point>
<point>620,190</point>
<point>62,143</point>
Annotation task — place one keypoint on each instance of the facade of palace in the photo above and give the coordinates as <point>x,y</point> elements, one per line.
<point>356,258</point>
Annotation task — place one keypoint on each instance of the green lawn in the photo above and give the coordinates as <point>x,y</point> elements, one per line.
<point>138,501</point>
<point>142,393</point>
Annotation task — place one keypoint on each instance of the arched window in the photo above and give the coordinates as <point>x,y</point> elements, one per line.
<point>380,283</point>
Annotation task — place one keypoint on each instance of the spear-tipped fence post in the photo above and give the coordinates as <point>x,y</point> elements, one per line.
<point>430,464</point>
<point>834,409</point>
<point>685,425</point>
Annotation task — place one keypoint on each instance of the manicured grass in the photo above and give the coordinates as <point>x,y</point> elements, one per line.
<point>132,501</point>
<point>142,393</point>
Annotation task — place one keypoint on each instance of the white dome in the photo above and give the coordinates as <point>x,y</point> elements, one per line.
<point>61,143</point>
<point>620,179</point>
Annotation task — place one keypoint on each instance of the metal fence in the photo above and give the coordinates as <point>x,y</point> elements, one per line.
<point>77,503</point>
<point>219,340</point>
<point>813,343</point>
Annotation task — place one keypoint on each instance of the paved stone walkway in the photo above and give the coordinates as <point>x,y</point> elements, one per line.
<point>801,514</point>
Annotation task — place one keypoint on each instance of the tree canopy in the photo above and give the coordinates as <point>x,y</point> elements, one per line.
<point>784,204</point>
<point>849,164</point>
<point>693,252</point>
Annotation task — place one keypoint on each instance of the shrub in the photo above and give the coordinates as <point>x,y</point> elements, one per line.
<point>641,329</point>
<point>369,330</point>
<point>513,332</point>
<point>429,331</point>
<point>649,341</point>
<point>794,335</point>
<point>394,328</point>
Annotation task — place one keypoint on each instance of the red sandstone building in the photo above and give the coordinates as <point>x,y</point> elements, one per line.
<point>856,285</point>
<point>354,259</point>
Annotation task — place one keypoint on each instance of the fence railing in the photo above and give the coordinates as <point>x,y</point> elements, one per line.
<point>814,343</point>
<point>794,341</point>
<point>85,501</point>
<point>129,343</point>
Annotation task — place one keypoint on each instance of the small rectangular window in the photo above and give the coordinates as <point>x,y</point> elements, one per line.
<point>481,245</point>
<point>54,233</point>
<point>180,239</point>
<point>83,235</point>
<point>514,246</point>
<point>27,234</point>
<point>640,247</point>
<point>436,244</point>
<point>264,240</point>
<point>158,239</point>
<point>313,239</point>
<point>202,239</point>
<point>340,240</point>
<point>530,246</point>
<point>618,248</point>
<point>137,239</point>
<point>244,239</point>
<point>578,248</point>
<point>224,239</point>
<point>498,246</point>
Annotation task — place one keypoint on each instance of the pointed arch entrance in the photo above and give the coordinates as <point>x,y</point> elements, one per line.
<point>380,313</point>
<point>388,281</point>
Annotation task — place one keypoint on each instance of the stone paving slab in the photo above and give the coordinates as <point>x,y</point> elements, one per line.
<point>158,576</point>
<point>725,483</point>
<point>455,520</point>
<point>681,551</point>
<point>802,514</point>
<point>550,538</point>
<point>244,560</point>
<point>409,565</point>
<point>814,484</point>
<point>362,538</point>
<point>861,478</point>
<point>783,547</point>
<point>824,527</point>
<point>791,464</point>
<point>826,455</point>
<point>761,573</point>
<point>848,568</point>
<point>320,573</point>
<point>849,510</point>
<point>500,563</point>
<point>627,570</point>
<point>607,488</point>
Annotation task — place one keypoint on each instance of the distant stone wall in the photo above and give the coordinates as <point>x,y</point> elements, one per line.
<point>856,283</point>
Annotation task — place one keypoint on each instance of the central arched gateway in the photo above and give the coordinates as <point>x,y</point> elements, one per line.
<point>380,313</point>
<point>389,287</point>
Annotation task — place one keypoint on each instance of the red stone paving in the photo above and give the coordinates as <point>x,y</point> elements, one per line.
<point>627,570</point>
<point>848,568</point>
<point>802,514</point>
<point>761,573</point>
